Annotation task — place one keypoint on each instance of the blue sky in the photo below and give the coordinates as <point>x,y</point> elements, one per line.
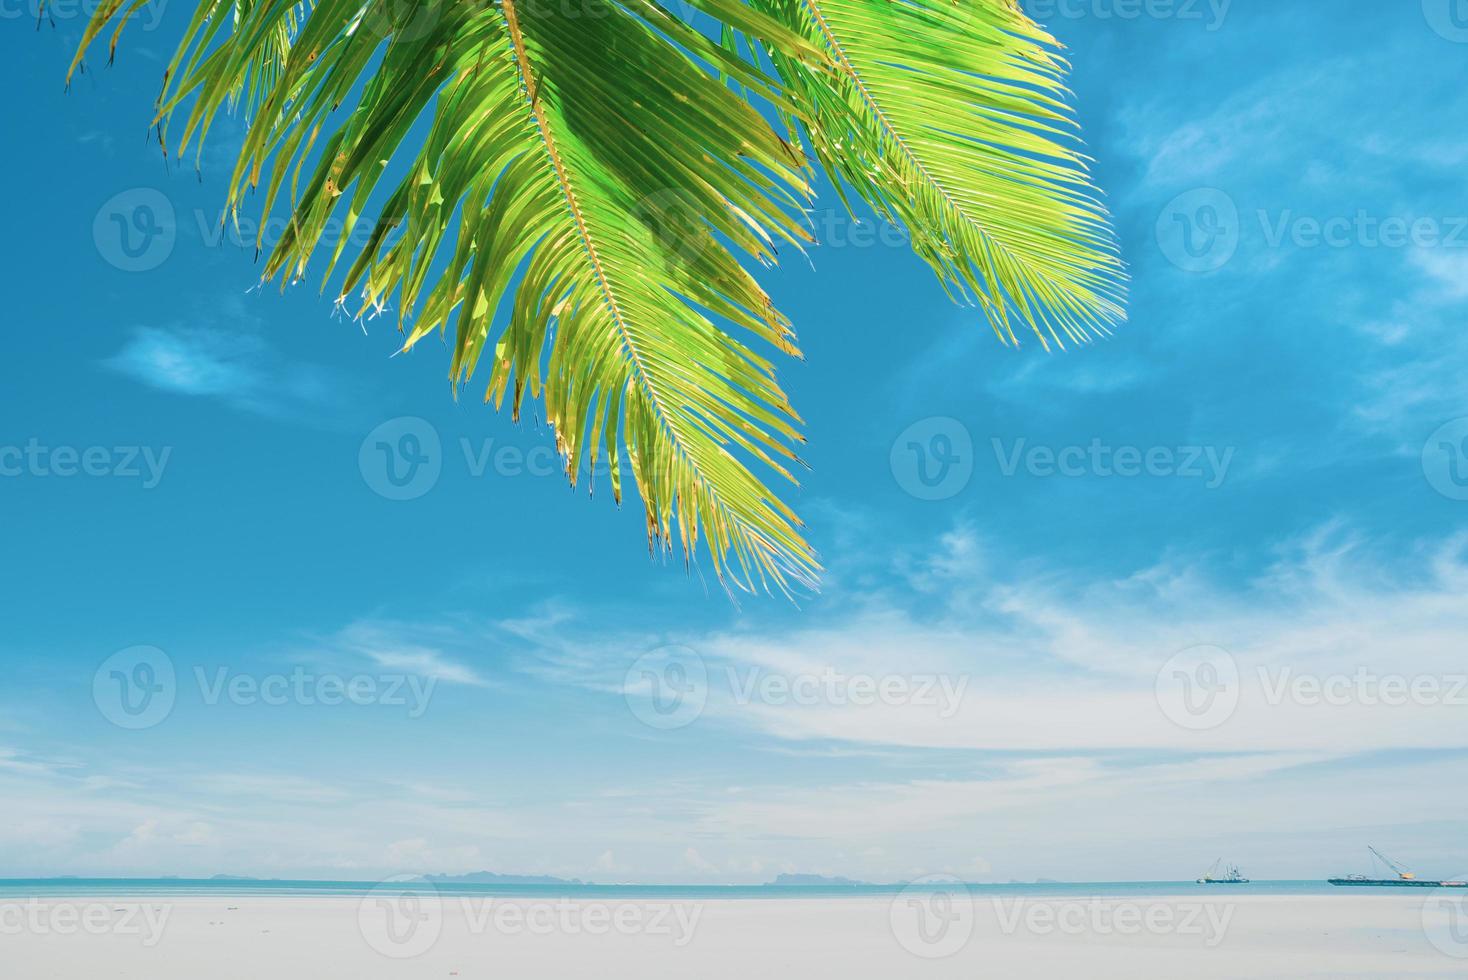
<point>1287,189</point>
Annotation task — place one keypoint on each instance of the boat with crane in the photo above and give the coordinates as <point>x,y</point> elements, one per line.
<point>1230,875</point>
<point>1404,878</point>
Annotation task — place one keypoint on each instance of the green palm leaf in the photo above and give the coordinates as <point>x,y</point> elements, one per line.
<point>950,117</point>
<point>555,181</point>
<point>572,181</point>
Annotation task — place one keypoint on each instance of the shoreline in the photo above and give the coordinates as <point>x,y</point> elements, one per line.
<point>306,888</point>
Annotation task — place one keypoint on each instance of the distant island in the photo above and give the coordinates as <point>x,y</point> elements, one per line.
<point>491,878</point>
<point>794,880</point>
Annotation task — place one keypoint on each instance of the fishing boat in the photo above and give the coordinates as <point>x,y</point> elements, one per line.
<point>1229,875</point>
<point>1403,878</point>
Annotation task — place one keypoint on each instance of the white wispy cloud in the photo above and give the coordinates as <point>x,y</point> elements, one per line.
<point>14,761</point>
<point>1413,381</point>
<point>1058,717</point>
<point>409,648</point>
<point>232,362</point>
<point>1053,665</point>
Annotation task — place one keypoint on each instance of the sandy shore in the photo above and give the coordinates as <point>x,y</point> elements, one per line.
<point>391,936</point>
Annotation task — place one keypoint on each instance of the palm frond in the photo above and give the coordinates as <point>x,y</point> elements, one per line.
<point>572,168</point>
<point>950,117</point>
<point>573,181</point>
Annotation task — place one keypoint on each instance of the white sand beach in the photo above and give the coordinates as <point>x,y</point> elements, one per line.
<point>251,938</point>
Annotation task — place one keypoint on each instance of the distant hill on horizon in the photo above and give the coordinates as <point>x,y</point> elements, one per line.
<point>801,879</point>
<point>493,878</point>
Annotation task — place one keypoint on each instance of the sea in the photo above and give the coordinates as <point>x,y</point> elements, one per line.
<point>231,887</point>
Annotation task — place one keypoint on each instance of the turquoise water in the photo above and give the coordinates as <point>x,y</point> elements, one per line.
<point>236,888</point>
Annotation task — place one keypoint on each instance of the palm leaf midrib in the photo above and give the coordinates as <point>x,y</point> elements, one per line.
<point>563,179</point>
<point>886,122</point>
<point>566,164</point>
